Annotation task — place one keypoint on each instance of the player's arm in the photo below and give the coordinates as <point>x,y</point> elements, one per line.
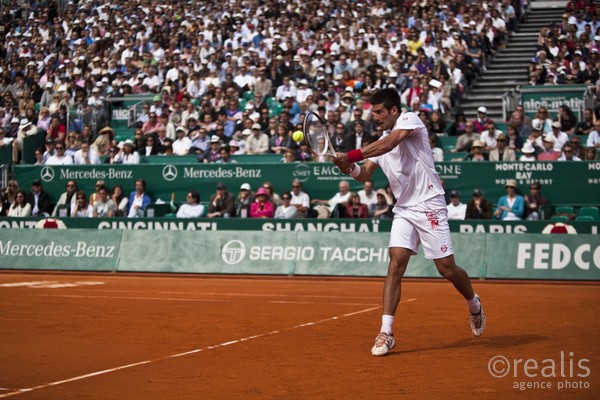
<point>366,170</point>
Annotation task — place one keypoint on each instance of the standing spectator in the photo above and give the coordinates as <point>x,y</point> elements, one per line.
<point>502,152</point>
<point>222,203</point>
<point>456,209</point>
<point>354,208</point>
<point>534,202</point>
<point>104,207</point>
<point>193,208</point>
<point>120,200</point>
<point>20,207</point>
<point>67,198</point>
<point>300,199</point>
<point>479,207</point>
<point>286,210</point>
<point>138,200</point>
<point>39,200</point>
<point>263,207</point>
<point>26,128</point>
<point>512,206</point>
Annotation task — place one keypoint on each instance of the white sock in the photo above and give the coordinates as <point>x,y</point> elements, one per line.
<point>474,305</point>
<point>386,324</point>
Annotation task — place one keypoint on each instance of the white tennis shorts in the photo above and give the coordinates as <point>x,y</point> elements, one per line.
<point>426,224</point>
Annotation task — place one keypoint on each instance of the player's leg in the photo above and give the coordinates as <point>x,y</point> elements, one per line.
<point>392,290</point>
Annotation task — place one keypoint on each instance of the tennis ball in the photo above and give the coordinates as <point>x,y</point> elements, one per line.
<point>298,136</point>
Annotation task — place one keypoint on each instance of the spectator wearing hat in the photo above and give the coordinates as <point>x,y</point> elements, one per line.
<point>26,128</point>
<point>244,199</point>
<point>103,142</point>
<point>548,154</point>
<point>456,209</point>
<point>256,141</point>
<point>39,200</point>
<point>212,154</point>
<point>477,153</point>
<point>479,207</point>
<point>262,207</point>
<point>138,200</point>
<point>528,152</point>
<point>502,152</point>
<point>560,136</point>
<point>183,144</point>
<point>512,206</point>
<point>222,203</point>
<point>129,155</point>
<point>481,122</point>
<point>542,120</point>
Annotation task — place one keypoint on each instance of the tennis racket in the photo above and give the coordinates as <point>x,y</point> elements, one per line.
<point>316,135</point>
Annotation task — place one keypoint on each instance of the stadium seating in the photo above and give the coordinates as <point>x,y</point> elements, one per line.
<point>591,212</point>
<point>565,210</point>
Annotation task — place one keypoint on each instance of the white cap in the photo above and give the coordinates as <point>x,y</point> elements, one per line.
<point>527,148</point>
<point>549,137</point>
<point>214,139</point>
<point>482,109</point>
<point>245,186</point>
<point>246,132</point>
<point>537,126</point>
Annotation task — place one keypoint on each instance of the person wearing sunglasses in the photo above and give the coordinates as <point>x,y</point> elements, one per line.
<point>67,197</point>
<point>20,207</point>
<point>59,158</point>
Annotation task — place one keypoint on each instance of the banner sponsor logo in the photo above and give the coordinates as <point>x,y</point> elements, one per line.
<point>301,172</point>
<point>233,252</point>
<point>557,256</point>
<point>169,172</point>
<point>47,174</point>
<point>52,249</point>
<point>321,227</point>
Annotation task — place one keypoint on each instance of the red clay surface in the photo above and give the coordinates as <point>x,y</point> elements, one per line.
<point>181,337</point>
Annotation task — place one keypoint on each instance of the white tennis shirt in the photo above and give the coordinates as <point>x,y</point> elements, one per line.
<point>409,167</point>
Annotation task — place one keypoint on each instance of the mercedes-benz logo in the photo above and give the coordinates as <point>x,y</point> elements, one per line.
<point>233,252</point>
<point>169,172</point>
<point>47,174</point>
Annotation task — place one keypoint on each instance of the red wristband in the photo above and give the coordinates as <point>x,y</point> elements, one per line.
<point>355,156</point>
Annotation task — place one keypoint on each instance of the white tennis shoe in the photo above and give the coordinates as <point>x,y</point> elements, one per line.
<point>383,344</point>
<point>477,321</point>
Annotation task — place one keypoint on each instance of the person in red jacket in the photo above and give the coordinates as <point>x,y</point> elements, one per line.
<point>262,208</point>
<point>356,209</point>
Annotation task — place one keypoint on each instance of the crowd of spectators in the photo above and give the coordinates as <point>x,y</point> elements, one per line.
<point>228,68</point>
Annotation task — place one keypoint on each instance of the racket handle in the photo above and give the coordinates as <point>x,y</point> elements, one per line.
<point>355,156</point>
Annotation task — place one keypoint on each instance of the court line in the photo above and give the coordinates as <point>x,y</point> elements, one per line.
<point>216,346</point>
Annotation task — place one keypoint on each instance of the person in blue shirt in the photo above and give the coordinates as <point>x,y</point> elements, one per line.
<point>512,206</point>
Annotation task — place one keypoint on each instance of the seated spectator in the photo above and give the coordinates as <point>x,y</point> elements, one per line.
<point>593,139</point>
<point>590,154</point>
<point>86,155</point>
<point>192,208</point>
<point>138,200</point>
<point>225,156</point>
<point>512,206</point>
<point>382,208</point>
<point>515,141</point>
<point>477,153</point>
<point>528,152</point>
<point>325,208</point>
<point>104,206</point>
<point>256,141</point>
<point>481,122</point>
<point>567,154</point>
<point>489,136</point>
<point>549,154</point>
<point>222,203</point>
<point>561,137</point>
<point>274,196</point>
<point>183,144</point>
<point>286,210</point>
<point>534,201</point>
<point>367,193</point>
<point>121,201</point>
<point>282,141</point>
<point>466,139</point>
<point>68,198</point>
<point>303,154</point>
<point>39,200</point>
<point>60,158</point>
<point>456,209</point>
<point>263,207</point>
<point>213,153</point>
<point>82,209</point>
<point>354,208</point>
<point>128,154</point>
<point>244,199</point>
<point>151,147</point>
<point>289,156</point>
<point>502,152</point>
<point>20,207</point>
<point>479,207</point>
<point>114,156</point>
<point>300,199</point>
<point>438,153</point>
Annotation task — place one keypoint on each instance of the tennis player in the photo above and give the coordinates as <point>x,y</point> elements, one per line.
<point>420,213</point>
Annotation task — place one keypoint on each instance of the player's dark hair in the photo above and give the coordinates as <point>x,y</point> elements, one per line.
<point>388,97</point>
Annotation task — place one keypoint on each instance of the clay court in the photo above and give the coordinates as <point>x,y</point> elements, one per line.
<point>113,336</point>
